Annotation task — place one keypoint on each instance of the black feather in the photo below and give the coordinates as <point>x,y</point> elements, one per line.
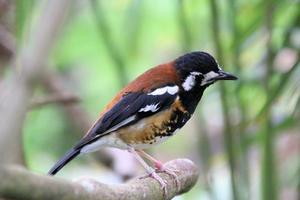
<point>70,155</point>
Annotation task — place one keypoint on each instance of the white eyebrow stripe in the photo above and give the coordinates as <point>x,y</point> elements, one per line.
<point>208,77</point>
<point>211,74</point>
<point>196,73</point>
<point>167,89</point>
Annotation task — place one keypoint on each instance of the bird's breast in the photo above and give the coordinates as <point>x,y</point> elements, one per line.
<point>156,128</point>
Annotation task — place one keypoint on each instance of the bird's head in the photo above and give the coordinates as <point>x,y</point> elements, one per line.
<point>199,70</point>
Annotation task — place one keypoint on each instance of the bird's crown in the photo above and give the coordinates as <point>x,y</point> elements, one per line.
<point>196,61</point>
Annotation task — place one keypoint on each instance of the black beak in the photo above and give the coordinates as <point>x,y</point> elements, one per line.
<point>225,76</point>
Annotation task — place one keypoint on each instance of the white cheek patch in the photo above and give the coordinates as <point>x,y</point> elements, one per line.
<point>152,108</point>
<point>190,81</point>
<point>167,89</point>
<point>208,77</point>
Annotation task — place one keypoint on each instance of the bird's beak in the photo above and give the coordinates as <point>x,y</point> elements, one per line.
<point>224,76</point>
<point>212,77</point>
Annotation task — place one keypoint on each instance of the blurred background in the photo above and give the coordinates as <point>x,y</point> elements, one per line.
<point>244,136</point>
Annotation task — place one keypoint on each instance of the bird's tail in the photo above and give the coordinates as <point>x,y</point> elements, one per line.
<point>70,155</point>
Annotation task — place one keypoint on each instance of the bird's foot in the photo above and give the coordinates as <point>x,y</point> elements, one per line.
<point>162,182</point>
<point>172,172</point>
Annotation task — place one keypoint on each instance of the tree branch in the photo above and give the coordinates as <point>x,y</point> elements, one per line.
<point>21,184</point>
<point>17,89</point>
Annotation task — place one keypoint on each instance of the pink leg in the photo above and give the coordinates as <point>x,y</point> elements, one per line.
<point>150,170</point>
<point>160,167</point>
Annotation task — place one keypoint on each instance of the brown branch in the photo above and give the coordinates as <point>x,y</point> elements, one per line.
<point>21,184</point>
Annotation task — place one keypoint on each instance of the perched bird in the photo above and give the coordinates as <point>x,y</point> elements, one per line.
<point>151,109</point>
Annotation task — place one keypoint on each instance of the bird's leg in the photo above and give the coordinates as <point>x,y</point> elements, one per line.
<point>160,167</point>
<point>157,164</point>
<point>151,172</point>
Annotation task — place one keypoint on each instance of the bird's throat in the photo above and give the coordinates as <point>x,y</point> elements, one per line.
<point>191,99</point>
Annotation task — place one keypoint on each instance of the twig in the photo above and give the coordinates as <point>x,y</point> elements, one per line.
<point>21,184</point>
<point>54,98</point>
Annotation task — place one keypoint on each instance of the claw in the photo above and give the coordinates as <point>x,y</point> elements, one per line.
<point>162,183</point>
<point>161,168</point>
<point>172,173</point>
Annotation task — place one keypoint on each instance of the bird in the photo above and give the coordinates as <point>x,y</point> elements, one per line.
<point>151,109</point>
